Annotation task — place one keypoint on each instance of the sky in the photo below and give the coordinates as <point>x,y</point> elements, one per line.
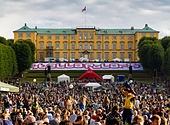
<point>112,14</point>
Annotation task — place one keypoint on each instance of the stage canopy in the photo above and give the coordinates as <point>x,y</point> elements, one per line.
<point>8,88</point>
<point>89,74</point>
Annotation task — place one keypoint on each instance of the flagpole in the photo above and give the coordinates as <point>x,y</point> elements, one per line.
<point>85,18</point>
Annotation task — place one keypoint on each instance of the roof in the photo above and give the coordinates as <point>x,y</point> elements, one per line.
<point>89,74</point>
<point>98,31</point>
<point>8,87</point>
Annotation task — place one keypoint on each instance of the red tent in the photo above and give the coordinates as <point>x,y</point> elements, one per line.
<point>89,74</point>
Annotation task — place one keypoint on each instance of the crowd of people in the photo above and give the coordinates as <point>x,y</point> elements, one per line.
<point>58,104</point>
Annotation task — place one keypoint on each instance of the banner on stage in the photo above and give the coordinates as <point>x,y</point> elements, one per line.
<point>85,66</point>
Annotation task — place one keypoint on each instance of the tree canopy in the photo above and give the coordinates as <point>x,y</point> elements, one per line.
<point>8,63</point>
<point>151,53</point>
<point>31,45</point>
<point>165,42</point>
<point>23,55</point>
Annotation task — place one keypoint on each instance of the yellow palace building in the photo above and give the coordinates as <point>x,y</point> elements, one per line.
<point>98,44</point>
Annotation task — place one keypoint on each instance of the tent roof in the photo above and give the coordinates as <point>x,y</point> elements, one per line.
<point>89,74</point>
<point>63,76</point>
<point>8,88</point>
<point>108,77</point>
<point>91,84</point>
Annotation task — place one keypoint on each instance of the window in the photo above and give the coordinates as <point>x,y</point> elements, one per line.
<point>49,44</point>
<point>99,56</point>
<point>122,37</point>
<point>57,55</point>
<point>65,37</point>
<point>129,37</point>
<point>80,35</point>
<point>114,46</point>
<point>91,46</point>
<point>41,37</point>
<point>57,37</point>
<point>80,55</point>
<point>106,46</point>
<point>49,37</point>
<point>41,46</point>
<point>122,46</point>
<point>98,46</point>
<point>65,55</point>
<point>114,37</point>
<point>91,35</point>
<point>86,36</point>
<point>130,55</point>
<point>86,46</point>
<point>73,46</point>
<point>130,46</point>
<point>28,35</point>
<point>80,46</point>
<point>72,37</point>
<point>151,35</point>
<point>106,56</point>
<point>98,37</point>
<point>49,53</point>
<point>143,34</point>
<point>72,55</point>
<point>91,56</point>
<point>41,55</point>
<point>114,55</point>
<point>122,55</point>
<point>57,46</point>
<point>65,46</point>
<point>106,37</point>
<point>20,35</point>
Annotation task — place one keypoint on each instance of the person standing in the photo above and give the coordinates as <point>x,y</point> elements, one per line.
<point>82,103</point>
<point>130,102</point>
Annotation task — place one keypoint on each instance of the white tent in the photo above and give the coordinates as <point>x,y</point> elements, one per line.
<point>108,77</point>
<point>63,77</point>
<point>91,84</point>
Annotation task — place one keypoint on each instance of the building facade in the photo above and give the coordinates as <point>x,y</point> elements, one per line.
<point>100,44</point>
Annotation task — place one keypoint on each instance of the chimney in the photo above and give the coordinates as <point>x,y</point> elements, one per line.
<point>146,25</point>
<point>25,24</point>
<point>35,27</point>
<point>132,28</point>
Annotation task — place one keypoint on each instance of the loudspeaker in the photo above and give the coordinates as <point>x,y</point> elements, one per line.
<point>130,69</point>
<point>45,71</point>
<point>49,68</point>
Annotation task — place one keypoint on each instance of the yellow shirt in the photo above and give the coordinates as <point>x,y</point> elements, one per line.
<point>129,100</point>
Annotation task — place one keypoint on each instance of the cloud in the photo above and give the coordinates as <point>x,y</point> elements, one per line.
<point>100,13</point>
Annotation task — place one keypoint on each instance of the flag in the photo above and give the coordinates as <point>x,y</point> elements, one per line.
<point>84,9</point>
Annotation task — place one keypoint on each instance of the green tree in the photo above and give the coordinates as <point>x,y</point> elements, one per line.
<point>167,61</point>
<point>151,53</point>
<point>147,40</point>
<point>10,42</point>
<point>165,42</point>
<point>144,54</point>
<point>31,45</point>
<point>156,56</point>
<point>8,66</point>
<point>3,40</point>
<point>23,55</point>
